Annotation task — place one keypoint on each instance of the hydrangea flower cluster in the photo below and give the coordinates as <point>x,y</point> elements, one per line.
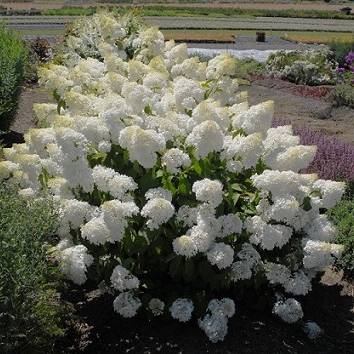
<point>171,189</point>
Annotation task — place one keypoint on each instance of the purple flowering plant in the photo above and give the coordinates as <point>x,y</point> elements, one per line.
<point>334,158</point>
<point>346,72</point>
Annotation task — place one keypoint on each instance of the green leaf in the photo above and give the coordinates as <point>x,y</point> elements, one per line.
<point>306,205</point>
<point>235,198</point>
<point>197,168</point>
<point>148,110</point>
<point>236,187</point>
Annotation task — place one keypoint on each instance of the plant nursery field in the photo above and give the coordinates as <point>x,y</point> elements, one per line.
<point>155,199</point>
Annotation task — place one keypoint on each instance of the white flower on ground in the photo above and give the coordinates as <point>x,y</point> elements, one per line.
<point>289,311</point>
<point>181,309</point>
<point>214,326</point>
<point>156,306</point>
<point>126,304</point>
<point>312,329</point>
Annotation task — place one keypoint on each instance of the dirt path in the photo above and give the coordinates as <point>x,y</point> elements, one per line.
<point>316,114</point>
<point>24,118</point>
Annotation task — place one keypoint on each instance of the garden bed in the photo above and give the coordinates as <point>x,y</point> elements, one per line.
<point>96,329</point>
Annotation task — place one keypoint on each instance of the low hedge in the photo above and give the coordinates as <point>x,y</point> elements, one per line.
<point>342,216</point>
<point>13,59</point>
<point>30,308</point>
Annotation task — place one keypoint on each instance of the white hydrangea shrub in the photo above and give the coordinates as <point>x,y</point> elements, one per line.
<point>164,176</point>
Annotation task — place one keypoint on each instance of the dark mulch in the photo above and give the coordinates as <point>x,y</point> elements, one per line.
<point>97,329</point>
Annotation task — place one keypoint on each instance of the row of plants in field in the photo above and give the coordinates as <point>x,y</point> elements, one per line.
<point>309,67</point>
<point>13,61</point>
<point>174,194</point>
<point>155,10</point>
<point>334,66</point>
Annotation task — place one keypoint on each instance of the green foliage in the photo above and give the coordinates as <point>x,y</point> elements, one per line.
<point>342,216</point>
<point>30,311</point>
<point>247,67</point>
<point>13,59</point>
<point>343,95</point>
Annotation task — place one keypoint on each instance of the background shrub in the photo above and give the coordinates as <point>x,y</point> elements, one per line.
<point>310,67</point>
<point>247,67</point>
<point>39,51</point>
<point>342,215</point>
<point>30,310</point>
<point>13,59</point>
<point>343,95</point>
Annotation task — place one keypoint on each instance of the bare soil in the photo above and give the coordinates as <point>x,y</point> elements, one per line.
<point>97,329</point>
<point>24,118</point>
<point>316,113</point>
